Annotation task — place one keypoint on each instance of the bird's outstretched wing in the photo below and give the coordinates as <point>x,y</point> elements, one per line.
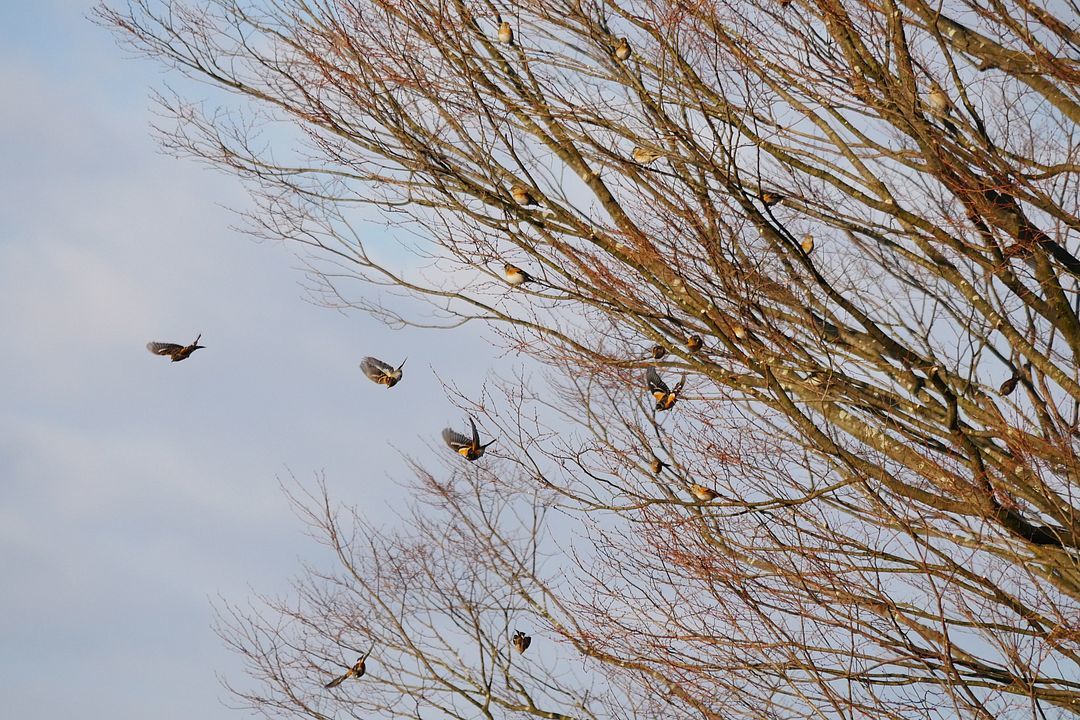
<point>159,348</point>
<point>337,681</point>
<point>656,385</point>
<point>475,435</point>
<point>455,440</point>
<point>375,368</point>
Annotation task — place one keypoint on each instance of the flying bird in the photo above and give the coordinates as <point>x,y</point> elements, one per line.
<point>702,493</point>
<point>521,641</point>
<point>380,372</point>
<point>470,449</point>
<point>665,397</point>
<point>356,671</point>
<point>694,343</point>
<point>623,49</point>
<point>522,196</point>
<point>516,276</point>
<point>173,350</point>
<point>506,34</point>
<point>646,155</point>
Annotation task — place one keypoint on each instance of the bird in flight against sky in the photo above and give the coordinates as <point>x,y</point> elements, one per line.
<point>380,372</point>
<point>468,448</point>
<point>175,351</point>
<point>356,671</point>
<point>665,396</point>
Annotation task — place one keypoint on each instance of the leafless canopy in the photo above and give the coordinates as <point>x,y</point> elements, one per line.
<point>887,413</point>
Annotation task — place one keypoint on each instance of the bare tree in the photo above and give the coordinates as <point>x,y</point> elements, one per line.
<point>851,228</point>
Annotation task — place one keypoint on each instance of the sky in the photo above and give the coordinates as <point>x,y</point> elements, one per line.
<point>135,491</point>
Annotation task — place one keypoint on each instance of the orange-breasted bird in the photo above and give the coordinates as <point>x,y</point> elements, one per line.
<point>468,448</point>
<point>356,671</point>
<point>522,196</point>
<point>702,493</point>
<point>665,397</point>
<point>516,276</point>
<point>380,372</point>
<point>658,351</point>
<point>521,641</point>
<point>771,198</point>
<point>173,350</point>
<point>623,49</point>
<point>657,465</point>
<point>646,155</point>
<point>506,33</point>
<point>694,343</point>
<point>807,243</point>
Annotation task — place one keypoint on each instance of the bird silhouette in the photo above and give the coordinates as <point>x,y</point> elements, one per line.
<point>173,350</point>
<point>516,276</point>
<point>468,448</point>
<point>623,49</point>
<point>646,155</point>
<point>702,493</point>
<point>521,641</point>
<point>665,397</point>
<point>506,33</point>
<point>522,196</point>
<point>356,671</point>
<point>382,373</point>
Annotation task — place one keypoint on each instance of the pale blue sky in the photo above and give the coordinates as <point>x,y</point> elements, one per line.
<point>132,490</point>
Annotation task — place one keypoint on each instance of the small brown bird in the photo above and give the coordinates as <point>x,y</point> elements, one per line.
<point>356,671</point>
<point>702,493</point>
<point>938,101</point>
<point>516,276</point>
<point>694,343</point>
<point>382,373</point>
<point>521,641</point>
<point>665,397</point>
<point>468,448</point>
<point>771,198</point>
<point>657,465</point>
<point>506,34</point>
<point>658,351</point>
<point>807,243</point>
<point>741,332</point>
<point>645,155</point>
<point>623,49</point>
<point>522,196</point>
<point>1006,388</point>
<point>173,350</point>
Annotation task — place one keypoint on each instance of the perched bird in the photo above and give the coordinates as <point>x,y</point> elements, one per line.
<point>516,276</point>
<point>741,332</point>
<point>623,49</point>
<point>522,196</point>
<point>470,449</point>
<point>1010,384</point>
<point>521,641</point>
<point>807,243</point>
<point>176,352</point>
<point>658,351</point>
<point>771,198</point>
<point>665,397</point>
<point>506,34</point>
<point>356,671</point>
<point>938,101</point>
<point>646,155</point>
<point>379,372</point>
<point>694,343</point>
<point>657,465</point>
<point>702,493</point>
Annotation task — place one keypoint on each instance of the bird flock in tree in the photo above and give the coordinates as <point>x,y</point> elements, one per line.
<point>665,397</point>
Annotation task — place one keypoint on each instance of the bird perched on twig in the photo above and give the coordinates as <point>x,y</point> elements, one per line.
<point>356,671</point>
<point>657,352</point>
<point>694,343</point>
<point>646,155</point>
<point>1006,388</point>
<point>382,373</point>
<point>665,397</point>
<point>506,33</point>
<point>173,350</point>
<point>941,106</point>
<point>657,465</point>
<point>522,196</point>
<point>807,243</point>
<point>771,198</point>
<point>702,493</point>
<point>521,641</point>
<point>623,49</point>
<point>469,448</point>
<point>516,276</point>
